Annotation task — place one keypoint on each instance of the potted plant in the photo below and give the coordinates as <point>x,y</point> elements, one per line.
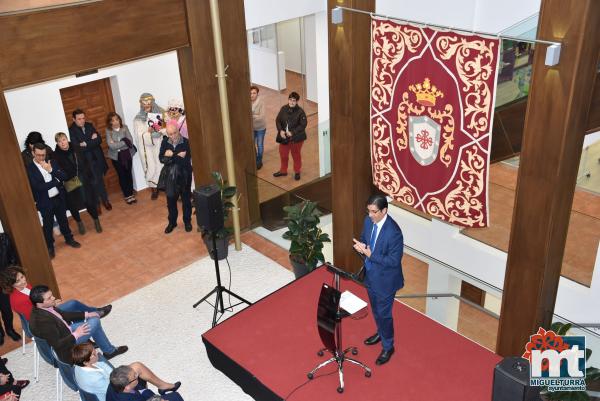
<point>224,234</point>
<point>307,238</point>
<point>592,374</point>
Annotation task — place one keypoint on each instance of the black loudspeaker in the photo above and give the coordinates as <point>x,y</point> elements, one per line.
<point>209,208</point>
<point>511,381</point>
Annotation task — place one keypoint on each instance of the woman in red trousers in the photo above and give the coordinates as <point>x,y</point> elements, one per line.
<point>291,134</point>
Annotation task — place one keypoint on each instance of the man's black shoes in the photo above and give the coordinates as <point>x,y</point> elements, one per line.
<point>14,335</point>
<point>279,174</point>
<point>374,339</point>
<point>170,228</point>
<point>384,356</point>
<point>71,242</point>
<point>118,351</point>
<point>104,311</point>
<point>297,176</point>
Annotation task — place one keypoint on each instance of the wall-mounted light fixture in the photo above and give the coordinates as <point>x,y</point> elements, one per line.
<point>552,55</point>
<point>337,16</point>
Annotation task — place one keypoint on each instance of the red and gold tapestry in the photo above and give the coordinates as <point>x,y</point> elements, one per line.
<point>432,103</point>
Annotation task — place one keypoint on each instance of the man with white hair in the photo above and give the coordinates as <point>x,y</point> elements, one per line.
<point>176,111</point>
<point>147,131</point>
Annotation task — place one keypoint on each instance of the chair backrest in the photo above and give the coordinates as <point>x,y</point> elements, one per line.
<point>45,351</point>
<point>67,372</point>
<point>25,326</point>
<point>85,396</point>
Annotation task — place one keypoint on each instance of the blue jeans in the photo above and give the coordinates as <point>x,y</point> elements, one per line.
<point>97,333</point>
<point>259,142</point>
<point>75,306</point>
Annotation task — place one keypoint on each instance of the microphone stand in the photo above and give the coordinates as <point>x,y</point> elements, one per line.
<point>339,355</point>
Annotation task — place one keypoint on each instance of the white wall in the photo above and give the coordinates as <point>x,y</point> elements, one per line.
<point>495,16</point>
<point>264,67</point>
<point>457,13</point>
<point>39,107</point>
<point>322,51</point>
<point>482,15</point>
<point>265,12</point>
<point>310,58</point>
<point>289,42</point>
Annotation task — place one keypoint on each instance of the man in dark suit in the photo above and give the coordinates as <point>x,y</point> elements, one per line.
<point>124,386</point>
<point>49,194</point>
<point>62,329</point>
<point>84,135</point>
<point>382,245</point>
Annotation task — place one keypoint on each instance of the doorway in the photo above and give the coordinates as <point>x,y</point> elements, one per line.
<point>96,100</point>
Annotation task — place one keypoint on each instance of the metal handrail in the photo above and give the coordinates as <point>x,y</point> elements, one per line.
<point>450,295</point>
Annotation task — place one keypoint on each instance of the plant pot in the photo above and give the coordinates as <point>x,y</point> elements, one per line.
<point>300,269</point>
<point>222,246</point>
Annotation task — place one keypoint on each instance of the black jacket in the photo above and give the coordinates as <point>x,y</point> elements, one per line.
<point>40,188</point>
<point>176,174</point>
<point>72,163</point>
<point>93,150</point>
<point>45,325</point>
<point>294,119</point>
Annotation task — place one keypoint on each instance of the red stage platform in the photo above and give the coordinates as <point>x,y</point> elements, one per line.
<point>269,348</point>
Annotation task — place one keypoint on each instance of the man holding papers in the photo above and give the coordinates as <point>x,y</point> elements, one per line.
<point>382,244</point>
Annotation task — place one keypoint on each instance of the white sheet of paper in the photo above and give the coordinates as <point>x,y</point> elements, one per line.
<point>351,303</point>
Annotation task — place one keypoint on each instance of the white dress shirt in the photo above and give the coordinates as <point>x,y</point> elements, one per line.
<point>52,192</point>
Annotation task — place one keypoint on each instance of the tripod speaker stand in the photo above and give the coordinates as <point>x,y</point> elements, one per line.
<point>209,216</point>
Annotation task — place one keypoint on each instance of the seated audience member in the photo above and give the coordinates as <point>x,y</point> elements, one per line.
<point>62,330</point>
<point>27,154</point>
<point>10,389</point>
<point>78,181</point>
<point>124,387</point>
<point>46,179</point>
<point>93,375</point>
<point>14,282</point>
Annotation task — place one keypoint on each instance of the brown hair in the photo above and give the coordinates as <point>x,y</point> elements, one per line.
<point>109,118</point>
<point>255,88</point>
<point>8,277</point>
<point>82,353</point>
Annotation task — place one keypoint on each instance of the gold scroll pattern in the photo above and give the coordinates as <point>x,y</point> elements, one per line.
<point>406,108</point>
<point>475,61</point>
<point>446,121</point>
<point>385,176</point>
<point>389,43</point>
<point>462,204</point>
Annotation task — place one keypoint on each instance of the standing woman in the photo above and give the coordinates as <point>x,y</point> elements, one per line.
<point>120,152</point>
<point>291,134</point>
<point>78,183</point>
<point>32,138</point>
<point>259,125</point>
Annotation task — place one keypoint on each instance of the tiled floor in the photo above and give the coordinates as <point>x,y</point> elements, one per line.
<point>270,186</point>
<point>584,226</point>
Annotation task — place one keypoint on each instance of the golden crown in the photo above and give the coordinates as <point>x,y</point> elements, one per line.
<point>426,93</point>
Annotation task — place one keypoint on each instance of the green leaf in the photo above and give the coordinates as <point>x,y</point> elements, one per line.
<point>229,192</point>
<point>564,329</point>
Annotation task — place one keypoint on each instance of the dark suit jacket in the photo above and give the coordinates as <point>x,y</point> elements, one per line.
<point>141,395</point>
<point>40,188</point>
<point>45,325</point>
<point>385,273</point>
<point>93,150</point>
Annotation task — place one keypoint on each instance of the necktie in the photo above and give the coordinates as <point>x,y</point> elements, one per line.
<point>373,236</point>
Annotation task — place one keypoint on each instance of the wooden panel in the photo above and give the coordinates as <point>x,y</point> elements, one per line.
<point>593,124</point>
<point>349,47</point>
<point>59,42</point>
<point>472,293</point>
<point>17,210</point>
<point>96,100</point>
<point>208,144</point>
<point>557,114</point>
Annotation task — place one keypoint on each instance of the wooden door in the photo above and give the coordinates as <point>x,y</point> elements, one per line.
<point>95,99</point>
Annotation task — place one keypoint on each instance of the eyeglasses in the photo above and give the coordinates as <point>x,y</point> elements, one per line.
<point>371,211</point>
<point>136,377</point>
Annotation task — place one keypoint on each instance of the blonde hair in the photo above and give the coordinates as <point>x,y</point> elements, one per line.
<point>59,135</point>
